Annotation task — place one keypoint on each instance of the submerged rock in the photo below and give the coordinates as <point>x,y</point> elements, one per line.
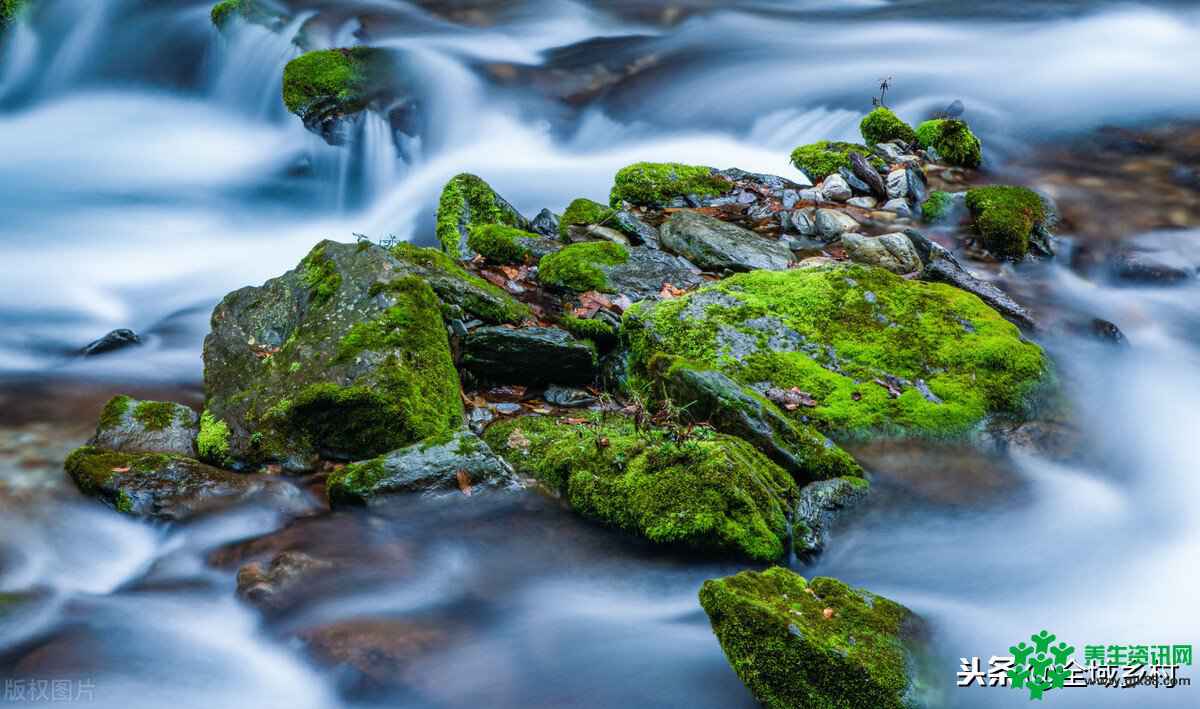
<point>818,643</point>
<point>457,463</point>
<point>1150,267</point>
<point>345,356</point>
<point>819,503</point>
<point>863,343</point>
<point>173,487</point>
<point>131,426</point>
<point>115,340</point>
<point>531,355</point>
<point>707,492</point>
<point>270,587</point>
<point>715,245</point>
<point>467,200</point>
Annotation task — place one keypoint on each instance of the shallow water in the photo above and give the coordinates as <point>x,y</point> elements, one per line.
<point>148,169</point>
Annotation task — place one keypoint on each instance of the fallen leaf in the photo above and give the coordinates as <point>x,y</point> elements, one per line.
<point>893,390</point>
<point>542,410</point>
<point>516,439</point>
<point>828,613</point>
<point>464,482</point>
<point>669,291</point>
<point>121,470</point>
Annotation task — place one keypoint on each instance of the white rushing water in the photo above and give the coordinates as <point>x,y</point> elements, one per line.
<point>148,167</point>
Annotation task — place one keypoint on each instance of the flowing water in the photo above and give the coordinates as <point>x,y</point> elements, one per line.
<point>148,168</point>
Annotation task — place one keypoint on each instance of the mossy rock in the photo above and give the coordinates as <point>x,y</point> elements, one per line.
<point>883,126</point>
<point>937,207</point>
<point>251,11</point>
<point>133,426</point>
<point>172,487</point>
<point>582,267</point>
<point>823,158</point>
<point>584,212</point>
<point>327,86</point>
<point>817,644</point>
<point>709,493</point>
<point>1005,217</point>
<point>877,353</point>
<point>499,243</point>
<point>468,200</point>
<point>10,10</point>
<point>656,184</point>
<point>345,356</point>
<point>456,463</point>
<point>463,294</point>
<point>953,141</point>
<point>599,331</point>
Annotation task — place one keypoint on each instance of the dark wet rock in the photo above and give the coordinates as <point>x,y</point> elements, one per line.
<point>1186,176</point>
<point>820,502</point>
<point>712,397</point>
<point>568,397</point>
<point>371,655</point>
<point>345,356</point>
<point>115,340</point>
<point>942,267</point>
<point>836,189</point>
<point>172,487</point>
<point>460,463</point>
<point>269,586</point>
<point>131,426</point>
<point>545,223</point>
<point>1107,331</point>
<point>797,643</point>
<point>1053,440</point>
<point>770,183</point>
<point>715,245</point>
<point>639,232</point>
<point>1150,267</point>
<point>648,270</point>
<point>918,186</point>
<point>532,355</point>
<point>467,200</point>
<point>856,183</point>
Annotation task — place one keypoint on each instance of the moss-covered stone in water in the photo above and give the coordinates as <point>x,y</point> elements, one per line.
<point>953,140</point>
<point>1005,217</point>
<point>937,206</point>
<point>155,415</point>
<point>710,493</point>
<point>249,10</point>
<point>882,126</point>
<point>580,267</point>
<point>498,243</point>
<point>657,183</point>
<point>823,158</point>
<point>213,442</point>
<point>458,287</point>
<point>466,200</point>
<point>114,410</point>
<point>774,629</point>
<point>325,86</point>
<point>581,212</point>
<point>878,353</point>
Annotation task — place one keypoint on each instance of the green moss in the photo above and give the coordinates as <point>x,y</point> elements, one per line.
<point>594,329</point>
<point>11,9</point>
<point>579,266</point>
<point>222,10</point>
<point>709,493</point>
<point>341,77</point>
<point>481,299</point>
<point>467,199</point>
<point>953,140</point>
<point>937,206</point>
<point>321,275</point>
<point>882,126</point>
<point>155,415</point>
<point>114,411</point>
<point>498,243</point>
<point>656,183</point>
<point>1005,217</point>
<point>212,443</point>
<point>823,158</point>
<point>93,469</point>
<point>773,628</point>
<point>833,331</point>
<point>583,211</point>
<point>419,393</point>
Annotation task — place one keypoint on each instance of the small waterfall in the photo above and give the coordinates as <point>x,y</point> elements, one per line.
<point>18,56</point>
<point>89,24</point>
<point>377,149</point>
<point>248,70</point>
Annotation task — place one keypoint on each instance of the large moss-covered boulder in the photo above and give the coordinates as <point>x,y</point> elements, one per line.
<point>658,184</point>
<point>874,353</point>
<point>133,426</point>
<point>707,492</point>
<point>883,126</point>
<point>1006,217</point>
<point>457,463</point>
<point>345,356</point>
<point>823,158</point>
<point>328,86</point>
<point>707,395</point>
<point>466,201</point>
<point>953,141</point>
<point>173,487</point>
<point>816,644</point>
